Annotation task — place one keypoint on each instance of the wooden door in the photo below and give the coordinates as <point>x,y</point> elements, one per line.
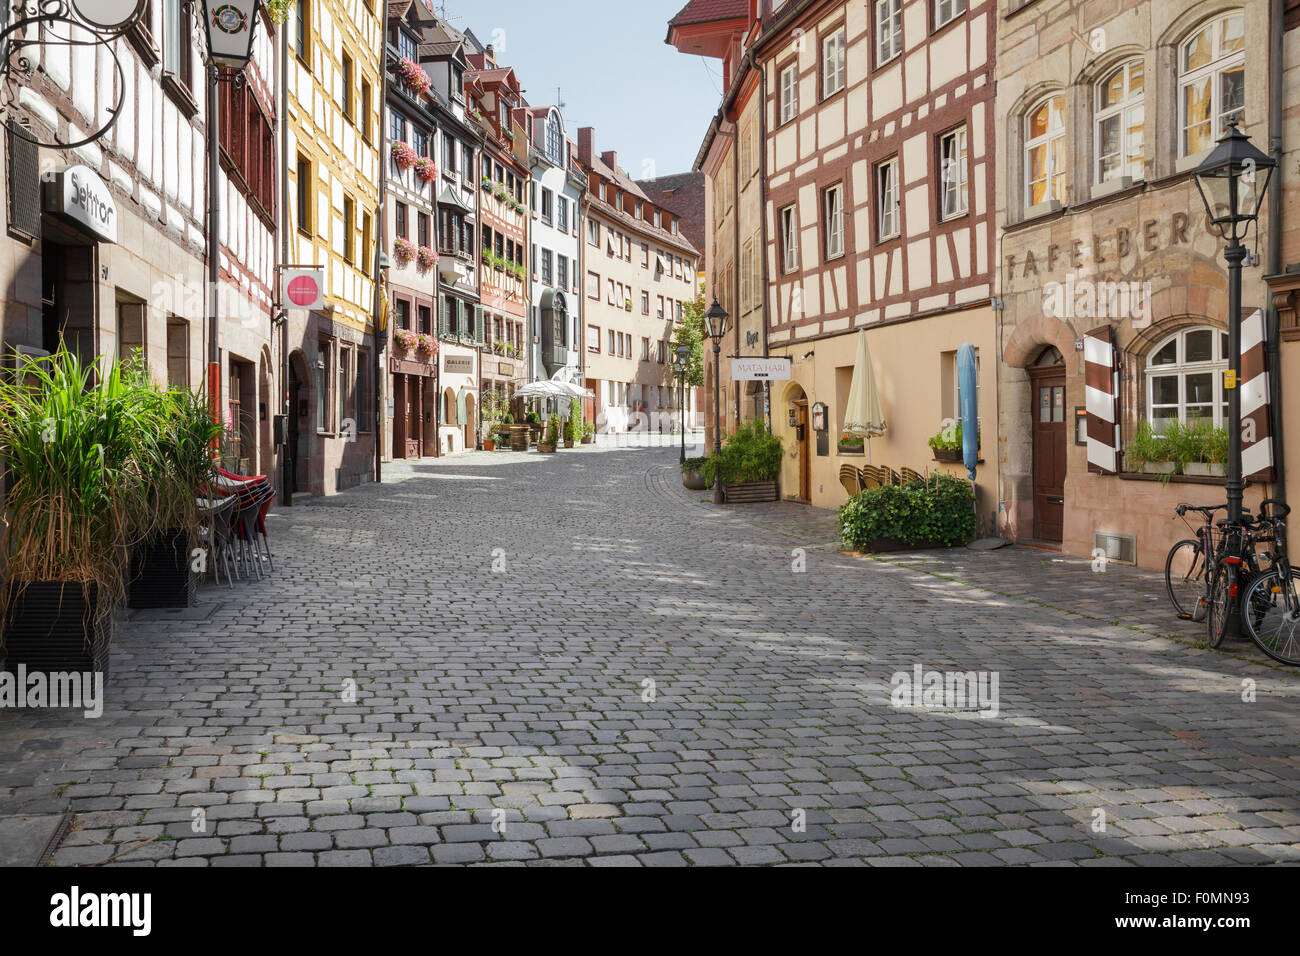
<point>805,458</point>
<point>1048,429</point>
<point>400,406</point>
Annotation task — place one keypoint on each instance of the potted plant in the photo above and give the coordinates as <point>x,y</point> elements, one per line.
<point>75,492</point>
<point>589,433</point>
<point>851,444</point>
<point>176,463</point>
<point>404,250</point>
<point>749,462</point>
<point>936,512</point>
<point>426,257</point>
<point>693,474</point>
<point>552,440</point>
<point>947,444</point>
<point>1148,452</point>
<point>573,427</point>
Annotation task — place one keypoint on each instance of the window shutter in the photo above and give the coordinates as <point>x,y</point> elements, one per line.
<point>1256,426</point>
<point>478,325</point>
<point>442,314</point>
<point>1101,381</point>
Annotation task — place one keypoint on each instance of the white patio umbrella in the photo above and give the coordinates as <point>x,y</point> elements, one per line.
<point>543,388</point>
<point>862,414</point>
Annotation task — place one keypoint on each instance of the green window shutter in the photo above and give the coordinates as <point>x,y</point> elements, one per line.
<point>442,314</point>
<point>478,325</point>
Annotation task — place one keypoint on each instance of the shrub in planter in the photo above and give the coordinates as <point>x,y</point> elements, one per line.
<point>939,511</point>
<point>750,455</point>
<point>588,433</point>
<point>692,475</point>
<point>75,494</point>
<point>573,428</point>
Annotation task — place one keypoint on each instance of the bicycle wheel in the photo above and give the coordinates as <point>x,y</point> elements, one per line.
<point>1272,616</point>
<point>1185,579</point>
<point>1218,604</point>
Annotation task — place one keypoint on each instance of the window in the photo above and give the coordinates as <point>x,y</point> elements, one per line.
<point>397,127</point>
<point>887,218</point>
<point>612,340</point>
<point>448,153</point>
<point>593,339</point>
<point>304,195</point>
<point>130,329</point>
<point>645,303</point>
<point>1120,123</point>
<point>833,213</point>
<point>789,239</point>
<point>407,45</point>
<point>178,47</point>
<point>548,201</point>
<point>403,310</point>
<point>467,159</point>
<point>789,94</point>
<point>346,86</point>
<point>322,386</point>
<point>302,38</point>
<point>422,228</point>
<point>593,233</point>
<point>593,285</point>
<point>945,11</point>
<point>645,256</point>
<point>178,353</point>
<point>345,396</point>
<point>889,30</point>
<point>400,214</point>
<point>645,349</point>
<point>1211,82</point>
<point>548,267</point>
<point>362,404</point>
<point>1045,151</point>
<point>660,307</point>
<point>832,64</point>
<point>367,225</point>
<point>420,142</point>
<point>953,176</point>
<point>366,97</point>
<point>1185,379</point>
<point>561,214</point>
<point>609,291</point>
<point>349,223</point>
<point>554,141</point>
<point>662,349</point>
<point>562,272</point>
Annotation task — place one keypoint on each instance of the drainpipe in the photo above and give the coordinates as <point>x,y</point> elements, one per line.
<point>381,236</point>
<point>286,479</point>
<point>762,212</point>
<point>1275,242</point>
<point>736,134</point>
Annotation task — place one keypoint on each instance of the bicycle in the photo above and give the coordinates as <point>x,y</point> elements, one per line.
<point>1271,603</point>
<point>1235,566</point>
<point>1188,563</point>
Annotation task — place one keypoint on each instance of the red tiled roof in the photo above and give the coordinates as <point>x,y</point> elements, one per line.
<point>682,194</point>
<point>710,11</point>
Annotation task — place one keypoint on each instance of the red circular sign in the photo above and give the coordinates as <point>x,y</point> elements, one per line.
<point>303,290</point>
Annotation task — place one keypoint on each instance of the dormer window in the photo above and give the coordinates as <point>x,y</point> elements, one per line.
<point>406,45</point>
<point>505,115</point>
<point>458,82</point>
<point>554,141</point>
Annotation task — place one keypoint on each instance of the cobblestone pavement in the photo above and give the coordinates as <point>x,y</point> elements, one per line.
<point>522,697</point>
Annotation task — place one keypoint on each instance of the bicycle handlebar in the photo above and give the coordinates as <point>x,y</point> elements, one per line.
<point>1203,509</point>
<point>1269,508</point>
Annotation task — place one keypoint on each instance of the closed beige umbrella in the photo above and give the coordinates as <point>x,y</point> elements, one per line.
<point>862,414</point>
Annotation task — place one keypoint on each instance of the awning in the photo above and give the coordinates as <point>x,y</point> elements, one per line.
<point>663,263</point>
<point>451,197</point>
<point>609,240</point>
<point>862,414</point>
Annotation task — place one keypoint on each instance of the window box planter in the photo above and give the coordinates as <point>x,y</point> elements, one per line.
<point>745,492</point>
<point>161,574</point>
<point>1159,467</point>
<point>55,626</point>
<point>1205,469</point>
<point>851,449</point>
<point>947,454</point>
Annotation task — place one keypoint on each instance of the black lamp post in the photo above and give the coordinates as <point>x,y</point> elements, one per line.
<point>1232,181</point>
<point>229,26</point>
<point>715,323</point>
<point>680,364</point>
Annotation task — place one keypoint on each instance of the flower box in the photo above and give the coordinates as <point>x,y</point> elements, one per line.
<point>426,169</point>
<point>404,156</point>
<point>426,258</point>
<point>407,339</point>
<point>1205,469</point>
<point>947,454</point>
<point>413,75</point>
<point>404,250</point>
<point>1159,467</point>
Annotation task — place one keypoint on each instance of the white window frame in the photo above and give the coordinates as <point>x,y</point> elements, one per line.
<point>889,30</point>
<point>954,191</point>
<point>789,93</point>
<point>833,218</point>
<point>789,239</point>
<point>946,11</point>
<point>1129,107</point>
<point>1220,63</point>
<point>1182,368</point>
<point>1045,141</point>
<point>888,213</point>
<point>833,71</point>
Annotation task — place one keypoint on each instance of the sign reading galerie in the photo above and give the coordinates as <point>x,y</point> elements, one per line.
<point>80,196</point>
<point>458,364</point>
<point>760,369</point>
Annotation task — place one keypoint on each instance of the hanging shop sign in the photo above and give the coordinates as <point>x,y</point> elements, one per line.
<point>303,289</point>
<point>457,364</point>
<point>78,195</point>
<point>760,369</point>
<point>108,15</point>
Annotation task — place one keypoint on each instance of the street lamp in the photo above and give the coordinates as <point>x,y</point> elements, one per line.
<point>228,26</point>
<point>715,323</point>
<point>679,363</point>
<point>1232,181</point>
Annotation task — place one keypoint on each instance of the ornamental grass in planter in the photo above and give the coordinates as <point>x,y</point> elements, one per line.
<point>76,492</point>
<point>938,511</point>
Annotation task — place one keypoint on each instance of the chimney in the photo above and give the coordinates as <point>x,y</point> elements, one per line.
<point>585,147</point>
<point>490,57</point>
<point>610,158</point>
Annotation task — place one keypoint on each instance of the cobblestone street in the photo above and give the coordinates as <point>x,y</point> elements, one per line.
<point>1117,739</point>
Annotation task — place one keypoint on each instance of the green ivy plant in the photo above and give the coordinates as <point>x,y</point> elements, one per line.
<point>938,510</point>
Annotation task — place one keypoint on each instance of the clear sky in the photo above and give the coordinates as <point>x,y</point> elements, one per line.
<point>649,103</point>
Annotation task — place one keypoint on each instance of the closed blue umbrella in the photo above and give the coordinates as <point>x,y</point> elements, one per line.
<point>970,435</point>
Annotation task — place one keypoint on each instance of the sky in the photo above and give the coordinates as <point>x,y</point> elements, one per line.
<point>647,102</point>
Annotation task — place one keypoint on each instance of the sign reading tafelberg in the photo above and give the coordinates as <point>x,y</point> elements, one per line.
<point>457,364</point>
<point>80,196</point>
<point>760,369</point>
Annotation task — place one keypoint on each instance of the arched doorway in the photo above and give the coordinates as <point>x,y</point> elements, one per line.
<point>1048,431</point>
<point>794,433</point>
<point>471,420</point>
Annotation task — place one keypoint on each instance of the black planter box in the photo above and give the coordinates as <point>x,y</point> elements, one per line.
<point>748,491</point>
<point>54,626</point>
<point>947,454</point>
<point>160,573</point>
